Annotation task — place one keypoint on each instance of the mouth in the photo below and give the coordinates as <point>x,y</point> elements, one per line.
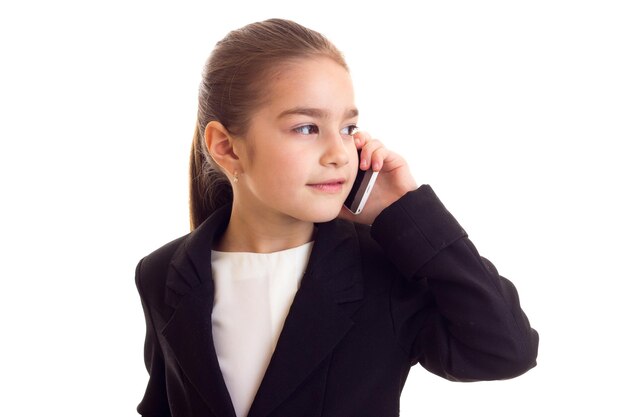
<point>330,186</point>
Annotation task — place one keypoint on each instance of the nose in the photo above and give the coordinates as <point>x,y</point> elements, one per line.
<point>335,151</point>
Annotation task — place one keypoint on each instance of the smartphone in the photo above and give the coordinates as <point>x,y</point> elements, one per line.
<point>361,189</point>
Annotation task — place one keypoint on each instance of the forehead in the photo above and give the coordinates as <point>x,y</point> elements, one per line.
<point>310,83</point>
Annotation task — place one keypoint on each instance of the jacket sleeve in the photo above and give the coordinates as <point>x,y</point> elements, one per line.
<point>154,403</point>
<point>452,312</point>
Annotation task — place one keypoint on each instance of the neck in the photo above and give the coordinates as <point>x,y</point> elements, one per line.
<point>246,232</point>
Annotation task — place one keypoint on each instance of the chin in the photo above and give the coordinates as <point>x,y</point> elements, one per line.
<point>325,215</point>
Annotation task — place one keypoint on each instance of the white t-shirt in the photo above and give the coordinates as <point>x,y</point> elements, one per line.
<point>253,294</point>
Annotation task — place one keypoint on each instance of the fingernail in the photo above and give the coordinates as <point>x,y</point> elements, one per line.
<point>376,166</point>
<point>364,163</point>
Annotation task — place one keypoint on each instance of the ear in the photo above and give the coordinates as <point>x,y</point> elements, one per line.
<point>220,145</point>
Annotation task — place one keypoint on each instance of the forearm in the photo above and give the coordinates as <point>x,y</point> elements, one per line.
<point>475,327</point>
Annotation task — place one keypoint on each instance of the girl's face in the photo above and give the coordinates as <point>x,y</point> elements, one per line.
<point>298,159</point>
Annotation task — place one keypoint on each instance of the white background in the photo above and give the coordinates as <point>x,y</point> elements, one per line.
<point>515,113</point>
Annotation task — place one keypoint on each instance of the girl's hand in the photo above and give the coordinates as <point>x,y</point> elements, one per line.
<point>394,179</point>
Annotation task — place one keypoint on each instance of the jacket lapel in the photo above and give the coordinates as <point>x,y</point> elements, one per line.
<point>190,291</point>
<point>319,316</point>
<point>189,335</point>
<point>318,319</point>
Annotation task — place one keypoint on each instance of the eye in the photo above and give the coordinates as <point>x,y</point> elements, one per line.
<point>349,130</point>
<point>307,129</point>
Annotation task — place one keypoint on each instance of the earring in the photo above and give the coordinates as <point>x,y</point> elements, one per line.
<point>236,179</point>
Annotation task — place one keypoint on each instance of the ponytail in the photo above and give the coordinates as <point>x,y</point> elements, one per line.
<point>209,188</point>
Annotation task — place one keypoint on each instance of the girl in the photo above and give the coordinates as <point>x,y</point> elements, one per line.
<point>282,303</point>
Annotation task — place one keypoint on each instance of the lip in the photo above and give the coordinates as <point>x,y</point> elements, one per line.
<point>331,186</point>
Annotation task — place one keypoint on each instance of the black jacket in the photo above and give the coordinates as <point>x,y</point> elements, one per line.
<point>373,302</point>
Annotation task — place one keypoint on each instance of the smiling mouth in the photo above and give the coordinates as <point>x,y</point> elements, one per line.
<point>332,186</point>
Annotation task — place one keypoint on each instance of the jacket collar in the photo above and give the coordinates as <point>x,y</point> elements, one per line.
<point>319,317</point>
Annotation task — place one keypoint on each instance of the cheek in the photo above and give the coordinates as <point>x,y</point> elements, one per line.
<point>280,173</point>
<point>291,158</point>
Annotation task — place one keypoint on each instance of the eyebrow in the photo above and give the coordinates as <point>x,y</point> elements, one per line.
<point>316,113</point>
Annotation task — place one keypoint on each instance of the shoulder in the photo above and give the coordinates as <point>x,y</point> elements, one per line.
<point>378,270</point>
<point>370,248</point>
<point>152,270</point>
<point>162,256</point>
<point>362,243</point>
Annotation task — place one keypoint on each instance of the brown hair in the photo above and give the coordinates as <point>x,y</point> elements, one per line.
<point>233,85</point>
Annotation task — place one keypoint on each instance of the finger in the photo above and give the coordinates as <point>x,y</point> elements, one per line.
<point>367,152</point>
<point>361,138</point>
<point>393,161</point>
<point>378,158</point>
